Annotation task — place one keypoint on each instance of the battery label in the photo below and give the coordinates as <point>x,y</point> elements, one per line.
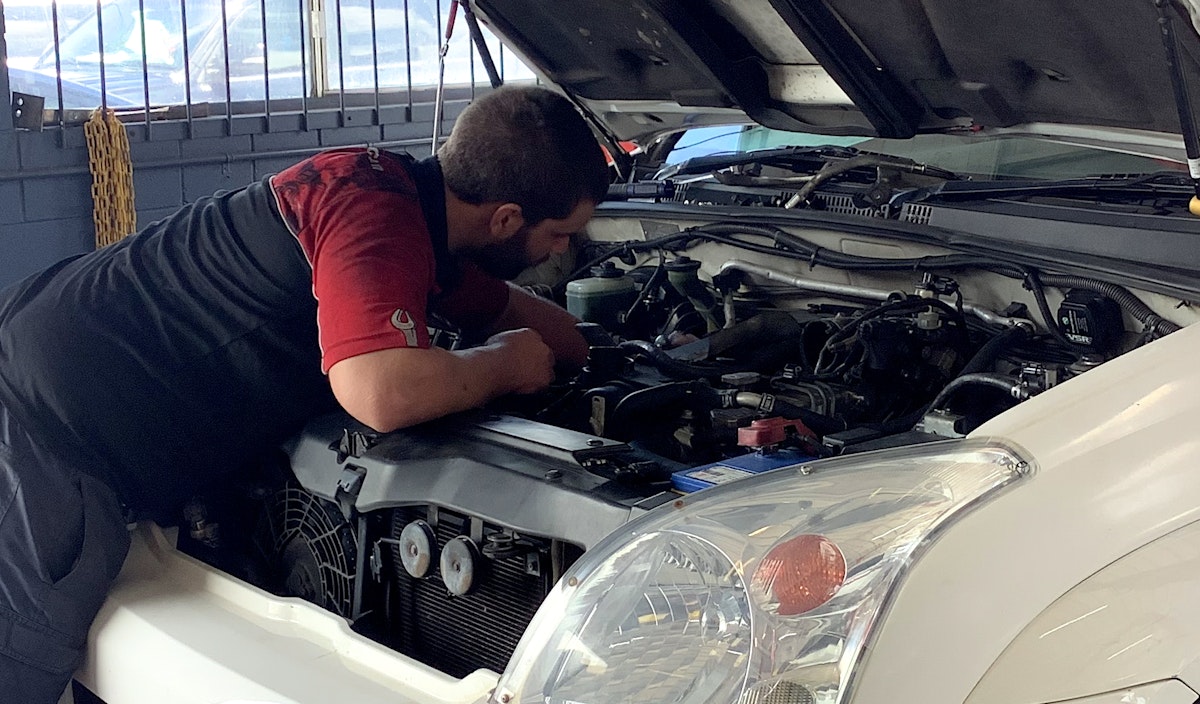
<point>718,474</point>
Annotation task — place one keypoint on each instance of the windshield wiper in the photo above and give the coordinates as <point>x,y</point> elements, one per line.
<point>1155,183</point>
<point>887,168</point>
<point>822,164</point>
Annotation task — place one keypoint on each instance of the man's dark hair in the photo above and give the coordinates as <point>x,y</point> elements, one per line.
<point>528,146</point>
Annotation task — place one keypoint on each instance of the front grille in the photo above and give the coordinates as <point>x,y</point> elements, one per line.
<point>460,634</point>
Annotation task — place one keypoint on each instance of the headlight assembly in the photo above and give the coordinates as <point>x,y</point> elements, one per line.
<point>762,591</point>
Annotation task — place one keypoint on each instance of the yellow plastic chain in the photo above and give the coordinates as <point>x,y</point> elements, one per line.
<point>112,177</point>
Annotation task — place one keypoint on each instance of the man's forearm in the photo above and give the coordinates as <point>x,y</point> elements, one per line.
<point>393,389</point>
<point>396,388</point>
<point>551,321</point>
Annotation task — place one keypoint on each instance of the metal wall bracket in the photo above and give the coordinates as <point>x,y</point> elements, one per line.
<point>27,111</point>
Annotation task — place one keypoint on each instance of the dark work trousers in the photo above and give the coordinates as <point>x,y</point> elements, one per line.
<point>63,539</point>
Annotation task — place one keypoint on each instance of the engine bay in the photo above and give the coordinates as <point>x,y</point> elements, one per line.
<point>718,349</point>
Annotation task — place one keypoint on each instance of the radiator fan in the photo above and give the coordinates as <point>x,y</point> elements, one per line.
<point>309,549</point>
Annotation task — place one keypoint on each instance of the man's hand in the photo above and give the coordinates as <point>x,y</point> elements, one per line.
<point>528,360</point>
<point>553,323</point>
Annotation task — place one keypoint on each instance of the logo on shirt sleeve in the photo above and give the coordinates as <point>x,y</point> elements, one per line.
<point>403,322</point>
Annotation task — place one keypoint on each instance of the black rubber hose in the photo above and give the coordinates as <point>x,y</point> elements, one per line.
<point>827,257</point>
<point>986,357</point>
<point>627,247</point>
<point>1011,387</point>
<point>635,407</point>
<point>910,303</point>
<point>1008,385</point>
<point>797,248</point>
<point>764,328</point>
<point>792,247</point>
<point>1034,283</point>
<point>818,423</point>
<point>671,366</point>
<point>1125,299</point>
<point>814,254</point>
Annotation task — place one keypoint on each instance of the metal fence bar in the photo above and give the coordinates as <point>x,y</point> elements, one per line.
<point>470,55</point>
<point>441,28</point>
<point>262,6</point>
<point>237,38</point>
<point>341,66</point>
<point>100,43</point>
<point>145,66</point>
<point>228,86</point>
<point>304,9</point>
<point>187,67</point>
<point>62,109</point>
<point>408,56</point>
<point>375,60</point>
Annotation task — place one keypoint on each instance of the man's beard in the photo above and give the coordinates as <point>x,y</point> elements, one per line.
<point>505,260</point>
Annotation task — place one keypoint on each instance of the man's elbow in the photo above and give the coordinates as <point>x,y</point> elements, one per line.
<point>386,417</point>
<point>366,387</point>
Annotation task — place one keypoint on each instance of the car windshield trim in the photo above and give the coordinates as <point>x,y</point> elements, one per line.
<point>1172,182</point>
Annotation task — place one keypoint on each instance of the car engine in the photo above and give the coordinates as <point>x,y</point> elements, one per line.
<point>442,540</point>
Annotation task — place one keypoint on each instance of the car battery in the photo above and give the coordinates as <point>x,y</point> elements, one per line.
<point>727,470</point>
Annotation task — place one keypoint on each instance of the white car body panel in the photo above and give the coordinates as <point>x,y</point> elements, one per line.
<point>1133,619</point>
<point>1116,469</point>
<point>176,630</point>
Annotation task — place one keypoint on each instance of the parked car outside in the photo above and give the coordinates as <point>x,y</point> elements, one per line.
<point>29,26</point>
<point>274,62</point>
<point>892,398</point>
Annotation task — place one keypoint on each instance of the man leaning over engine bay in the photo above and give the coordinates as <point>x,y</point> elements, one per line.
<point>134,375</point>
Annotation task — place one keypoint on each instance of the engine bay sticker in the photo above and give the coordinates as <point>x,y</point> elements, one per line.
<point>718,474</point>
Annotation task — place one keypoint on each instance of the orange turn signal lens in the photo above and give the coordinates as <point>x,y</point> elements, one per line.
<point>801,573</point>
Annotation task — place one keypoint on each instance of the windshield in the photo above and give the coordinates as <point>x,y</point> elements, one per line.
<point>981,157</point>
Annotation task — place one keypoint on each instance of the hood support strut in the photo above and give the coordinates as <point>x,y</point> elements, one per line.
<point>880,97</point>
<point>1187,121</point>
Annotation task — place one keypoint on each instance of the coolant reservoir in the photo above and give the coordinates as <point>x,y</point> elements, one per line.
<point>601,297</point>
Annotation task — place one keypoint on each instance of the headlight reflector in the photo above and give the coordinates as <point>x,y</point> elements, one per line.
<point>668,605</point>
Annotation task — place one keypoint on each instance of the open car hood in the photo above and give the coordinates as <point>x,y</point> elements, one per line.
<point>883,68</point>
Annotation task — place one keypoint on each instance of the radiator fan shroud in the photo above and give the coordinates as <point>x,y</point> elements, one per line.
<point>310,550</point>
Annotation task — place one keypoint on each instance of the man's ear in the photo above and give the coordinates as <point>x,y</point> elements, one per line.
<point>507,219</point>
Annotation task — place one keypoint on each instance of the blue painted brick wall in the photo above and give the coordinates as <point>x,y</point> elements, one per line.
<point>45,187</point>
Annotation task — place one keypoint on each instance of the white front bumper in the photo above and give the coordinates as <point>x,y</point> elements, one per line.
<point>176,630</point>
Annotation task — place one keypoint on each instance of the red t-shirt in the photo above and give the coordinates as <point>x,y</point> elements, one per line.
<point>358,217</point>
